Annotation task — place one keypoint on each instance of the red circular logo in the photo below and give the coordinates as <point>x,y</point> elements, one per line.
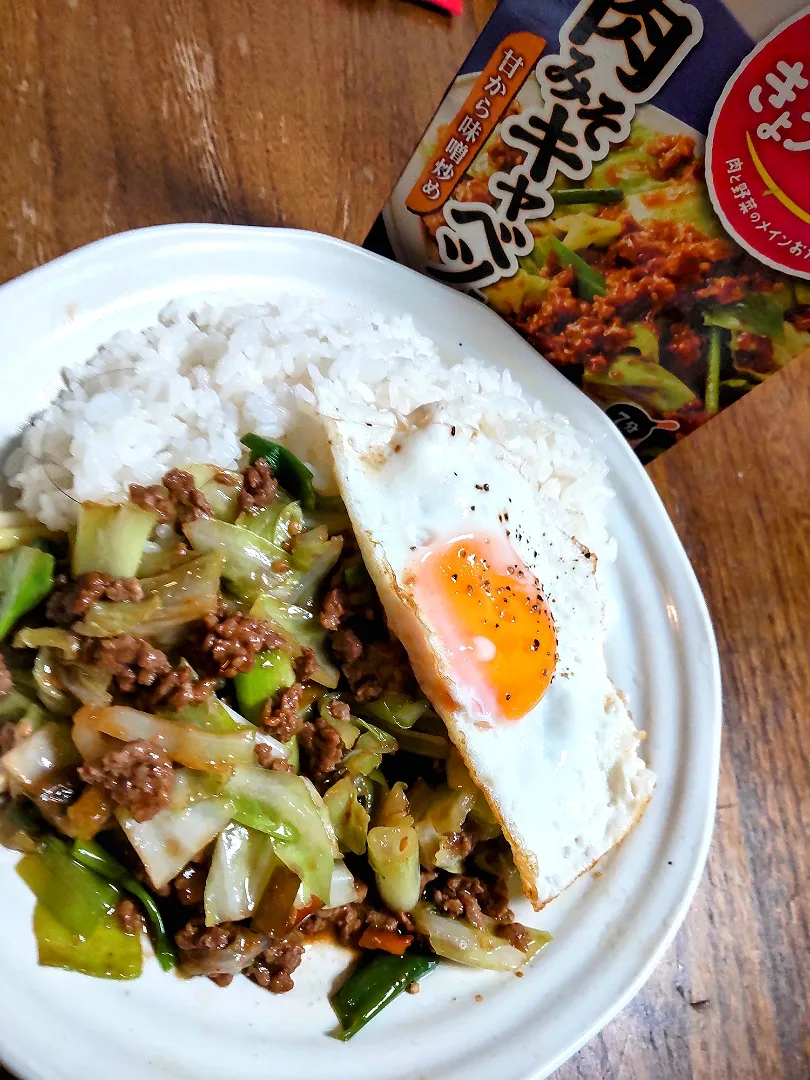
<point>758,150</point>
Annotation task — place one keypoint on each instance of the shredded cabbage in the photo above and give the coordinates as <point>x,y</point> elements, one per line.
<point>241,867</point>
<point>173,837</point>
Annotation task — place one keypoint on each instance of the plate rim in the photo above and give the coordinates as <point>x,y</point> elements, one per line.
<point>196,235</point>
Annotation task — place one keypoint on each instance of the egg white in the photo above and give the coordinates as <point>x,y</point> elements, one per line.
<point>566,781</point>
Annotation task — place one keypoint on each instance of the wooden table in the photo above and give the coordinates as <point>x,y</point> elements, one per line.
<point>117,115</point>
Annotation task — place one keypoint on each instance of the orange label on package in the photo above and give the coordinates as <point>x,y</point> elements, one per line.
<point>494,90</point>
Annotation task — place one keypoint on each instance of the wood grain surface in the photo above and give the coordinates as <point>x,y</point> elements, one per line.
<point>117,115</point>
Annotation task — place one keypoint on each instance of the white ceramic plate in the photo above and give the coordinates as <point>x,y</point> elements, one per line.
<point>609,930</point>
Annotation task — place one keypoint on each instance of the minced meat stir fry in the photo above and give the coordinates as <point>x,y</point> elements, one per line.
<point>209,734</point>
<point>634,290</point>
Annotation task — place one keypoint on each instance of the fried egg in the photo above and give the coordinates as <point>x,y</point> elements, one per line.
<point>502,617</point>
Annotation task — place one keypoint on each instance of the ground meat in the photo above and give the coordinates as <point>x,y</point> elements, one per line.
<point>269,759</point>
<point>72,602</point>
<point>347,646</point>
<point>197,942</point>
<point>373,669</point>
<point>684,348</point>
<point>801,319</point>
<point>343,601</point>
<point>189,885</point>
<point>305,665</point>
<point>138,775</point>
<point>321,746</point>
<point>190,503</point>
<point>724,289</point>
<point>195,935</point>
<point>649,267</point>
<point>333,609</point>
<point>6,681</point>
<point>129,917</point>
<point>132,661</point>
<point>273,969</point>
<point>259,487</point>
<point>231,643</point>
<point>516,934</point>
<point>175,690</point>
<point>462,843</point>
<point>283,718</point>
<point>472,898</point>
<point>137,667</point>
<point>153,498</point>
<point>340,710</point>
<point>349,921</point>
<point>671,153</point>
<point>754,353</point>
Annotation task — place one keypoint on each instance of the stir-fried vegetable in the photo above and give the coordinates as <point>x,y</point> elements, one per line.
<point>349,817</point>
<point>275,912</point>
<point>21,828</point>
<point>171,601</point>
<point>173,837</point>
<point>26,578</point>
<point>374,985</point>
<point>590,282</point>
<point>758,313</point>
<point>272,672</point>
<point>250,564</point>
<point>111,539</point>
<point>438,818</point>
<point>242,866</point>
<point>603,196</point>
<point>95,858</point>
<point>42,756</point>
<point>269,843</point>
<point>299,626</point>
<point>290,472</point>
<point>394,857</point>
<point>191,746</point>
<point>470,945</point>
<point>235,957</point>
<point>396,710</point>
<point>74,895</point>
<point>106,953</point>
<point>283,806</point>
<point>712,396</point>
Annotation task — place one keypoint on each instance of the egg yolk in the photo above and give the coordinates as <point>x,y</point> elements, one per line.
<point>488,609</point>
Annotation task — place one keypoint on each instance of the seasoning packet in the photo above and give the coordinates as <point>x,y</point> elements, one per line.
<point>627,183</point>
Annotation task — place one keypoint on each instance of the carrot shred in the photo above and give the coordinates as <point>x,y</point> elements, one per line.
<point>386,940</point>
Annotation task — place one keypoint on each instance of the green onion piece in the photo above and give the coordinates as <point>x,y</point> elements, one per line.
<point>590,282</point>
<point>567,196</point>
<point>107,953</point>
<point>26,578</point>
<point>73,895</point>
<point>349,817</point>
<point>291,473</point>
<point>393,853</point>
<point>713,373</point>
<point>111,539</point>
<point>396,709</point>
<point>95,858</point>
<point>374,985</point>
<point>272,672</point>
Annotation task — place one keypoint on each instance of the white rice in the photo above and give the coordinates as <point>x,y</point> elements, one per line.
<point>183,391</point>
